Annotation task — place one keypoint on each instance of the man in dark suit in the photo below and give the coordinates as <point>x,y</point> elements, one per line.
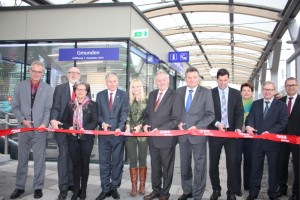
<point>197,113</point>
<point>31,106</point>
<point>62,95</point>
<point>113,107</point>
<point>292,101</point>
<point>162,112</point>
<point>229,115</point>
<point>267,115</point>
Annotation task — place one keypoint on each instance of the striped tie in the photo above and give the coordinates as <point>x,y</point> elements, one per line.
<point>224,109</point>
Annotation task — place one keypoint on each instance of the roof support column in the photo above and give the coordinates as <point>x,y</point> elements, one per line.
<point>274,59</point>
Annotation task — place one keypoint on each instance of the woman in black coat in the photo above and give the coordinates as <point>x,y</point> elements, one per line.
<point>80,114</point>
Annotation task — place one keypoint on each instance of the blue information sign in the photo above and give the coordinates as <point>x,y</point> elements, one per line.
<point>183,56</point>
<point>88,54</point>
<point>151,59</point>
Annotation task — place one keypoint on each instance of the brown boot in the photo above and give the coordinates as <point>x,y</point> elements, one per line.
<point>133,176</point>
<point>143,174</point>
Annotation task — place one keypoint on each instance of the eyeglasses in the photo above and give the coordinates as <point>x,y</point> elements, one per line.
<point>289,86</point>
<point>36,72</point>
<point>74,73</point>
<point>268,90</point>
<point>80,90</point>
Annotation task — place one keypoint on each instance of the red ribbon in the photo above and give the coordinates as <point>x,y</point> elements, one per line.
<point>293,139</point>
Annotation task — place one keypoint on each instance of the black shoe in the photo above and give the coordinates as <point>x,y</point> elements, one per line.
<point>115,194</point>
<point>16,193</point>
<point>239,193</point>
<point>294,197</point>
<point>38,193</point>
<point>231,197</point>
<point>281,192</point>
<point>75,195</point>
<point>103,195</point>
<point>185,196</point>
<point>62,195</point>
<point>215,195</point>
<point>71,188</point>
<point>152,195</point>
<point>82,195</point>
<point>250,197</point>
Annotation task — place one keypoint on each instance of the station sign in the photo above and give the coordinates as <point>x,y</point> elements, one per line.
<point>88,54</point>
<point>183,56</point>
<point>151,59</point>
<point>140,33</point>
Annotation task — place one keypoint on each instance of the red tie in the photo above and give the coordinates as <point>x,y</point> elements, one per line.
<point>158,101</point>
<point>73,96</point>
<point>290,105</point>
<point>110,102</point>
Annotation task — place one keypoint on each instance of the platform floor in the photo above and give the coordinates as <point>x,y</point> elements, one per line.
<point>8,173</point>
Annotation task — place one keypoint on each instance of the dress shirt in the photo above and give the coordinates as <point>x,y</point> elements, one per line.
<point>293,100</point>
<point>271,100</point>
<point>226,90</point>
<point>162,96</point>
<point>71,89</point>
<point>113,95</point>
<point>187,92</point>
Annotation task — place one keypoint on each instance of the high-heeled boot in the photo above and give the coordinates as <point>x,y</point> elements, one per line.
<point>142,174</point>
<point>133,176</point>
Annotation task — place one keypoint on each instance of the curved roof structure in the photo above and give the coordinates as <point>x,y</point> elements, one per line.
<point>234,34</point>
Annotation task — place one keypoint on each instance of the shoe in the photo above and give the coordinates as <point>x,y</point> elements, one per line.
<point>239,193</point>
<point>231,197</point>
<point>16,193</point>
<point>294,197</point>
<point>38,193</point>
<point>163,198</point>
<point>115,194</point>
<point>281,192</point>
<point>185,196</point>
<point>152,195</point>
<point>82,195</point>
<point>62,195</point>
<point>215,195</point>
<point>71,188</point>
<point>250,197</point>
<point>103,195</point>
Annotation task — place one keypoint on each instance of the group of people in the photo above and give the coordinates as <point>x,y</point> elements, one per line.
<point>190,107</point>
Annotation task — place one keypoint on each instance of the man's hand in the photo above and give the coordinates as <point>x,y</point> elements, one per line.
<point>42,126</point>
<point>250,130</point>
<point>105,126</point>
<point>221,127</point>
<point>54,123</point>
<point>181,125</point>
<point>146,128</point>
<point>192,127</point>
<point>26,123</point>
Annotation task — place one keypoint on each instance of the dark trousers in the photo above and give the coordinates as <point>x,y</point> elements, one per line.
<point>80,152</point>
<point>215,147</point>
<point>244,153</point>
<point>285,150</point>
<point>162,169</point>
<point>111,153</point>
<point>258,157</point>
<point>137,152</point>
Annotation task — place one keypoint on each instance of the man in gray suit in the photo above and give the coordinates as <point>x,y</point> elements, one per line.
<point>113,107</point>
<point>62,95</point>
<point>197,113</point>
<point>162,112</point>
<point>31,106</point>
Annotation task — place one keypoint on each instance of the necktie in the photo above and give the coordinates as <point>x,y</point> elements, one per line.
<point>290,105</point>
<point>189,101</point>
<point>73,96</point>
<point>158,101</point>
<point>224,109</point>
<point>266,108</point>
<point>110,101</point>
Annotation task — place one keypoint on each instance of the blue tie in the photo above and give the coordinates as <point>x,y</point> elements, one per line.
<point>189,101</point>
<point>266,109</point>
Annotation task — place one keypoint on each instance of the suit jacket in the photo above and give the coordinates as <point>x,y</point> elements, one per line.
<point>292,127</point>
<point>89,121</point>
<point>274,122</point>
<point>235,109</point>
<point>120,109</point>
<point>200,114</point>
<point>166,117</point>
<point>21,104</point>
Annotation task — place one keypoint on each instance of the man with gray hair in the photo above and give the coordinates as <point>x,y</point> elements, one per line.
<point>31,106</point>
<point>267,115</point>
<point>163,112</point>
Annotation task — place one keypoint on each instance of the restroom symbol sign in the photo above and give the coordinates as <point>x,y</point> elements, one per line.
<point>179,56</point>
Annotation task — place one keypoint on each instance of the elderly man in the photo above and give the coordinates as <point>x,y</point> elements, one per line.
<point>267,115</point>
<point>31,106</point>
<point>62,95</point>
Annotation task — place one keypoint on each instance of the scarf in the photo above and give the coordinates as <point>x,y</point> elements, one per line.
<point>247,103</point>
<point>78,116</point>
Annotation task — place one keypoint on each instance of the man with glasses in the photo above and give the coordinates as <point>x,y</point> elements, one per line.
<point>267,115</point>
<point>31,106</point>
<point>292,100</point>
<point>62,95</point>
